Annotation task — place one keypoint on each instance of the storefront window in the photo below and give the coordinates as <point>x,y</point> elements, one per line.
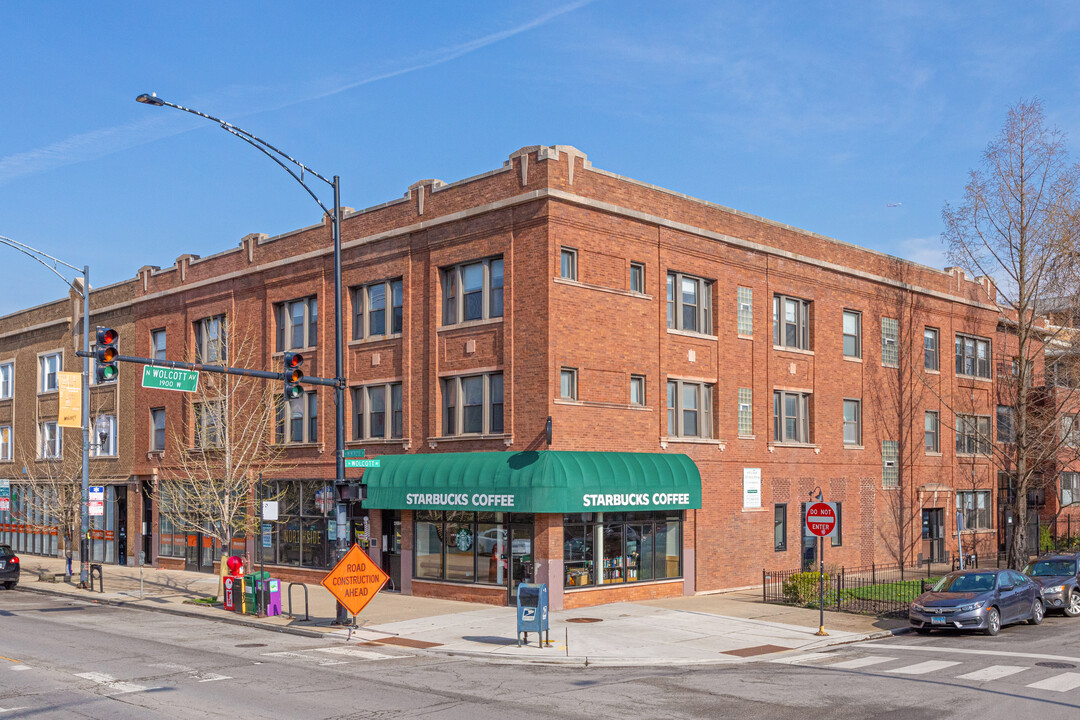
<point>300,535</point>
<point>634,546</point>
<point>468,546</point>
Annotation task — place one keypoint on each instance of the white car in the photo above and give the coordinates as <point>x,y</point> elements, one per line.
<point>490,540</point>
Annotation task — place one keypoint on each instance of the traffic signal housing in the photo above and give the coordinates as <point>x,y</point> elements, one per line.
<point>105,353</point>
<point>293,375</point>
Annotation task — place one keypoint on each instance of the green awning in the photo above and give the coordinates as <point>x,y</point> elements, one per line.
<point>547,481</point>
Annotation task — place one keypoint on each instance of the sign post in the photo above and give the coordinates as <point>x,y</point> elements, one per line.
<point>821,521</point>
<point>355,580</point>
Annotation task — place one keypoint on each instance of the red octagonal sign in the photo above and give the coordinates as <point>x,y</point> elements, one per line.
<point>821,519</point>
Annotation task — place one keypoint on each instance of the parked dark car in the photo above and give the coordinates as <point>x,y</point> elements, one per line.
<point>978,600</point>
<point>1057,576</point>
<point>9,567</point>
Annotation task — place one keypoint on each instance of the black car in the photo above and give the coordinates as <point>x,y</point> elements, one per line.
<point>9,567</point>
<point>1057,577</point>
<point>977,600</point>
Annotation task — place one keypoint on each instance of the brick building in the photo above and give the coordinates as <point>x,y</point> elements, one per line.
<point>39,457</point>
<point>581,379</point>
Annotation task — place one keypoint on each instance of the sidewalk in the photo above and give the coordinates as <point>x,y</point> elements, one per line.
<point>718,628</point>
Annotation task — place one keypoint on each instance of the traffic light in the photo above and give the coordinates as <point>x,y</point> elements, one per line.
<point>106,353</point>
<point>293,375</point>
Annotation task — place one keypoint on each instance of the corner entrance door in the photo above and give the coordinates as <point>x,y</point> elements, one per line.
<point>521,558</point>
<point>199,554</point>
<point>391,548</point>
<point>933,533</point>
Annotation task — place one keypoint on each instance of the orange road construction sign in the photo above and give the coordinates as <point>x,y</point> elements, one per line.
<point>355,580</point>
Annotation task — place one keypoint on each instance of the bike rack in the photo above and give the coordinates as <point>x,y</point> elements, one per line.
<point>291,586</point>
<point>101,579</point>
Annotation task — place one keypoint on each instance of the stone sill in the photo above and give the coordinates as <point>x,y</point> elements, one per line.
<point>469,324</point>
<point>796,351</point>
<point>375,339</point>
<point>848,358</point>
<point>433,442</point>
<point>609,586</point>
<point>692,334</point>
<point>600,288</point>
<point>593,403</point>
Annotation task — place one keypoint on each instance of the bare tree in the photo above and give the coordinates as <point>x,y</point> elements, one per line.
<point>52,493</point>
<point>209,482</point>
<point>1018,224</point>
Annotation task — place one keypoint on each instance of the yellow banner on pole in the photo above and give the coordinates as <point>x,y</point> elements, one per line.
<point>70,384</point>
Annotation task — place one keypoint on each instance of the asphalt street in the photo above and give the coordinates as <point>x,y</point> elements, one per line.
<point>64,659</point>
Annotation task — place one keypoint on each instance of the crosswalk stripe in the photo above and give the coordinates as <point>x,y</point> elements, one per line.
<point>924,667</point>
<point>860,662</point>
<point>1059,683</point>
<point>114,686</point>
<point>993,672</point>
<point>798,659</point>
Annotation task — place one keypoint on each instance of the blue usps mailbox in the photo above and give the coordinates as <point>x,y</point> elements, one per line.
<point>532,612</point>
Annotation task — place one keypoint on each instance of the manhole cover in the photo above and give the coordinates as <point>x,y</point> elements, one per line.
<point>583,620</point>
<point>1056,665</point>
<point>246,645</point>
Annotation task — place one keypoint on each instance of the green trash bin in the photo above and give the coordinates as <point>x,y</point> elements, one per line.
<point>251,594</point>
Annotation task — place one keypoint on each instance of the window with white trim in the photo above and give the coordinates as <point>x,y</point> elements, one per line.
<point>975,505</point>
<point>157,429</point>
<point>7,380</point>
<point>637,277</point>
<point>298,419</point>
<point>377,412</point>
<point>637,390</point>
<point>473,291</point>
<point>1070,430</point>
<point>157,344</point>
<point>99,446</point>
<point>972,356</point>
<point>1070,488</point>
<point>972,435</point>
<point>48,367</point>
<point>209,423</point>
<point>931,432</point>
<point>852,422</point>
<point>473,405</point>
<point>930,348</point>
<point>890,339</point>
<point>378,309</point>
<point>689,303</point>
<point>210,340</point>
<point>852,334</point>
<point>689,409</point>
<point>568,263</point>
<point>297,324</point>
<point>50,440</point>
<point>791,322</point>
<point>568,384</point>
<point>791,417</point>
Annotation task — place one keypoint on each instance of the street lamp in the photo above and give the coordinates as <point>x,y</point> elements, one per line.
<point>52,264</point>
<point>284,161</point>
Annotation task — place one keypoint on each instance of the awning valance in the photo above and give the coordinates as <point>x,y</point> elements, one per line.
<point>547,481</point>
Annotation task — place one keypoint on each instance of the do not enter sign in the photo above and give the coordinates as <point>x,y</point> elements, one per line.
<point>821,519</point>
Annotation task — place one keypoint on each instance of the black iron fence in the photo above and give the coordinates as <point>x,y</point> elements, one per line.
<point>873,589</point>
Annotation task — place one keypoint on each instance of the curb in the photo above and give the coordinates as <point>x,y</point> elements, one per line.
<point>180,613</point>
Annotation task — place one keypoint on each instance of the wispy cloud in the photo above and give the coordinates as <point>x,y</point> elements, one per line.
<point>923,250</point>
<point>106,141</point>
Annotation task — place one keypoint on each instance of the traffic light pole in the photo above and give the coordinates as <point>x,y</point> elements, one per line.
<point>84,503</point>
<point>221,369</point>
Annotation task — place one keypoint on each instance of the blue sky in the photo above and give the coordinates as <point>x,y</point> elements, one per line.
<point>818,115</point>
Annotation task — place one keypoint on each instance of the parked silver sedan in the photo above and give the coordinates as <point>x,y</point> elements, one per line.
<point>977,600</point>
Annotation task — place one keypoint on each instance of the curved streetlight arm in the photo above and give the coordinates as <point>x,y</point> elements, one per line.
<point>41,257</point>
<point>267,149</point>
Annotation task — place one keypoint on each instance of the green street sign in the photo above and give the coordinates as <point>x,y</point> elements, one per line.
<point>363,463</point>
<point>169,379</point>
<point>354,453</point>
